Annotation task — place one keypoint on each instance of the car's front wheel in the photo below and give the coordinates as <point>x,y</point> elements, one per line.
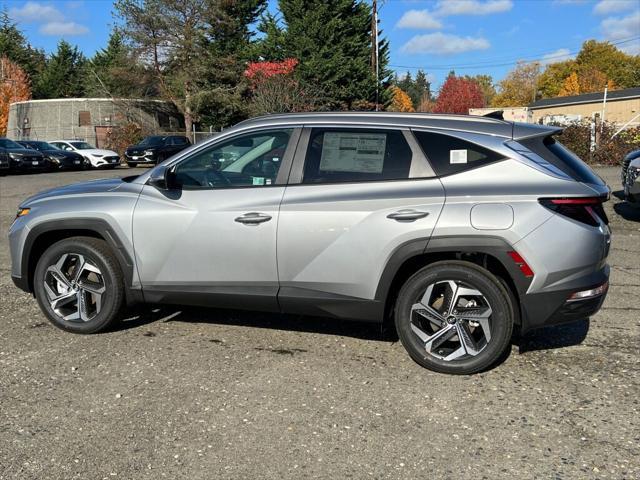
<point>132,164</point>
<point>454,317</point>
<point>79,285</point>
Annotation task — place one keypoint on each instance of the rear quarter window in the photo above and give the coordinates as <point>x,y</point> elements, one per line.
<point>561,157</point>
<point>449,155</point>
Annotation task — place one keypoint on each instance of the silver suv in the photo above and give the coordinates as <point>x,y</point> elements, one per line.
<point>458,229</point>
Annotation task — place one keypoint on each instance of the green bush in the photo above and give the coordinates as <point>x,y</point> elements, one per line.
<point>609,151</point>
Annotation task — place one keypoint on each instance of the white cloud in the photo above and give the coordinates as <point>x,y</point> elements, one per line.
<point>63,28</point>
<point>620,28</point>
<point>605,7</point>
<point>444,44</point>
<point>559,55</point>
<point>446,8</point>
<point>36,12</point>
<point>420,19</point>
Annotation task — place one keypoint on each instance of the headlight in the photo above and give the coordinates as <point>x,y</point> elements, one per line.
<point>15,156</point>
<point>149,152</point>
<point>22,212</point>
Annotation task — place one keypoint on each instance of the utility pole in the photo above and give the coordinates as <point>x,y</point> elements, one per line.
<point>374,49</point>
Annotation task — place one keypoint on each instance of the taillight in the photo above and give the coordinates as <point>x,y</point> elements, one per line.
<point>582,209</point>
<point>521,263</point>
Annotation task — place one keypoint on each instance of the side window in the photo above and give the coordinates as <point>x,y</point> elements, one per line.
<point>251,160</point>
<point>179,141</point>
<point>449,155</point>
<point>353,155</point>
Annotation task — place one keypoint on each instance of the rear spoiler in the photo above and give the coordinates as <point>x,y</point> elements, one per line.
<point>522,131</point>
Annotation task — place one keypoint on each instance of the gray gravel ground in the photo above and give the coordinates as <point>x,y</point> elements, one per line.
<point>216,394</point>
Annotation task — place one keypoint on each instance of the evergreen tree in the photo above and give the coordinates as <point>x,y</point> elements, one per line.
<point>15,47</point>
<point>418,89</point>
<point>63,76</point>
<point>332,41</point>
<point>115,72</point>
<point>271,46</point>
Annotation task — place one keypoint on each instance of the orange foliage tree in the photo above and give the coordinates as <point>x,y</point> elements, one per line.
<point>14,87</point>
<point>401,102</point>
<point>571,86</point>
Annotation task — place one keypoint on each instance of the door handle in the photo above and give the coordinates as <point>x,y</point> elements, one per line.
<point>253,218</point>
<point>408,215</point>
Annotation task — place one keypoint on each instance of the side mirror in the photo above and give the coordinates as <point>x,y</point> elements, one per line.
<point>160,178</point>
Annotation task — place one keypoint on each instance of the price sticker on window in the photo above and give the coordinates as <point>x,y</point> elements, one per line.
<point>457,156</point>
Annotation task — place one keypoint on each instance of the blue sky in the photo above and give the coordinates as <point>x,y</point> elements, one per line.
<point>469,36</point>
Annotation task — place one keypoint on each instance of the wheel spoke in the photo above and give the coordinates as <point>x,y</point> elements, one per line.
<point>480,315</point>
<point>461,291</point>
<point>466,340</point>
<point>438,338</point>
<point>79,267</point>
<point>82,306</point>
<point>428,313</point>
<point>63,300</point>
<point>58,276</point>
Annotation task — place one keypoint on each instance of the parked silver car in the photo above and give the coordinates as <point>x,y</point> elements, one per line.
<point>631,176</point>
<point>456,228</point>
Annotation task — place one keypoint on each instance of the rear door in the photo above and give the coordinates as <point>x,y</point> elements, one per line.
<point>355,196</point>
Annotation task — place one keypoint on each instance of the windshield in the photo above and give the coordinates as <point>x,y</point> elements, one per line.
<point>150,141</point>
<point>82,145</point>
<point>6,143</point>
<point>41,146</point>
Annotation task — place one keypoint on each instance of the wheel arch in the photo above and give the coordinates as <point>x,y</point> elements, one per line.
<point>45,234</point>
<point>490,253</point>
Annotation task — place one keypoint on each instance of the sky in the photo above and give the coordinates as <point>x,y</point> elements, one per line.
<point>468,36</point>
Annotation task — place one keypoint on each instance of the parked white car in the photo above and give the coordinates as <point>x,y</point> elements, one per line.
<point>98,157</point>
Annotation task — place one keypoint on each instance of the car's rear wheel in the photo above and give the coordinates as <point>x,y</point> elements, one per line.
<point>132,164</point>
<point>79,285</point>
<point>454,317</point>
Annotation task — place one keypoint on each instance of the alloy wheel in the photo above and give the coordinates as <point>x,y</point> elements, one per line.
<point>74,287</point>
<point>452,320</point>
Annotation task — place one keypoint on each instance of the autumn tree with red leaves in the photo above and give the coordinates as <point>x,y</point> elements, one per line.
<point>458,95</point>
<point>14,87</point>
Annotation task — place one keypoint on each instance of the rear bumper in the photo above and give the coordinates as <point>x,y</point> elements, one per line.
<point>552,308</point>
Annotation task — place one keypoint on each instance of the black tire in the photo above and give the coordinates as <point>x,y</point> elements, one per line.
<point>493,290</point>
<point>132,164</point>
<point>99,254</point>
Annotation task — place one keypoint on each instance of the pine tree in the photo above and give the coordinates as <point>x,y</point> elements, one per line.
<point>63,76</point>
<point>115,72</point>
<point>15,47</point>
<point>332,41</point>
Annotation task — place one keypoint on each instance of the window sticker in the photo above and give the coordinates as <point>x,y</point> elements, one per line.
<point>353,152</point>
<point>258,180</point>
<point>457,156</point>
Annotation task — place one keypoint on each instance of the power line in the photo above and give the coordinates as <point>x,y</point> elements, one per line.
<point>503,64</point>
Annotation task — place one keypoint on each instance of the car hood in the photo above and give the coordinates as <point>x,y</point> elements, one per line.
<point>92,187</point>
<point>24,151</point>
<point>98,151</point>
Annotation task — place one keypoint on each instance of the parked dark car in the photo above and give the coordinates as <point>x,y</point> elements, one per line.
<point>20,158</point>
<point>155,149</point>
<point>59,159</point>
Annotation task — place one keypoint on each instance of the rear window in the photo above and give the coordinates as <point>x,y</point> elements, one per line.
<point>449,155</point>
<point>561,157</point>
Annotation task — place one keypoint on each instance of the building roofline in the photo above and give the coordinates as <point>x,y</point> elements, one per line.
<point>89,99</point>
<point>596,97</point>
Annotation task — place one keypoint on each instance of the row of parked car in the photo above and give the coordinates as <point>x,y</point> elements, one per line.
<point>37,155</point>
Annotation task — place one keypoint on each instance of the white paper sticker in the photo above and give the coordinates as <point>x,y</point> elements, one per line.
<point>353,152</point>
<point>457,156</point>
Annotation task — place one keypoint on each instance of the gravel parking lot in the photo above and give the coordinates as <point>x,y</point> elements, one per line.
<point>197,393</point>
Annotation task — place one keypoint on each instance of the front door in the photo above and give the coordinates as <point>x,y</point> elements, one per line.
<point>212,238</point>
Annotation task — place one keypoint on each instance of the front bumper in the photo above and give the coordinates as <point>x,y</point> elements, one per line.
<point>30,165</point>
<point>140,159</point>
<point>555,307</point>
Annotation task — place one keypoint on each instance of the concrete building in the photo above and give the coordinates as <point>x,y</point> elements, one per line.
<point>622,106</point>
<point>512,114</point>
<point>89,119</point>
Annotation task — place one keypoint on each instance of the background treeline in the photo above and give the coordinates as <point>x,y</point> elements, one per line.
<point>222,61</point>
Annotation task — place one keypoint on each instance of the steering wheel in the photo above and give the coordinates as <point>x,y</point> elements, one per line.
<point>213,177</point>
